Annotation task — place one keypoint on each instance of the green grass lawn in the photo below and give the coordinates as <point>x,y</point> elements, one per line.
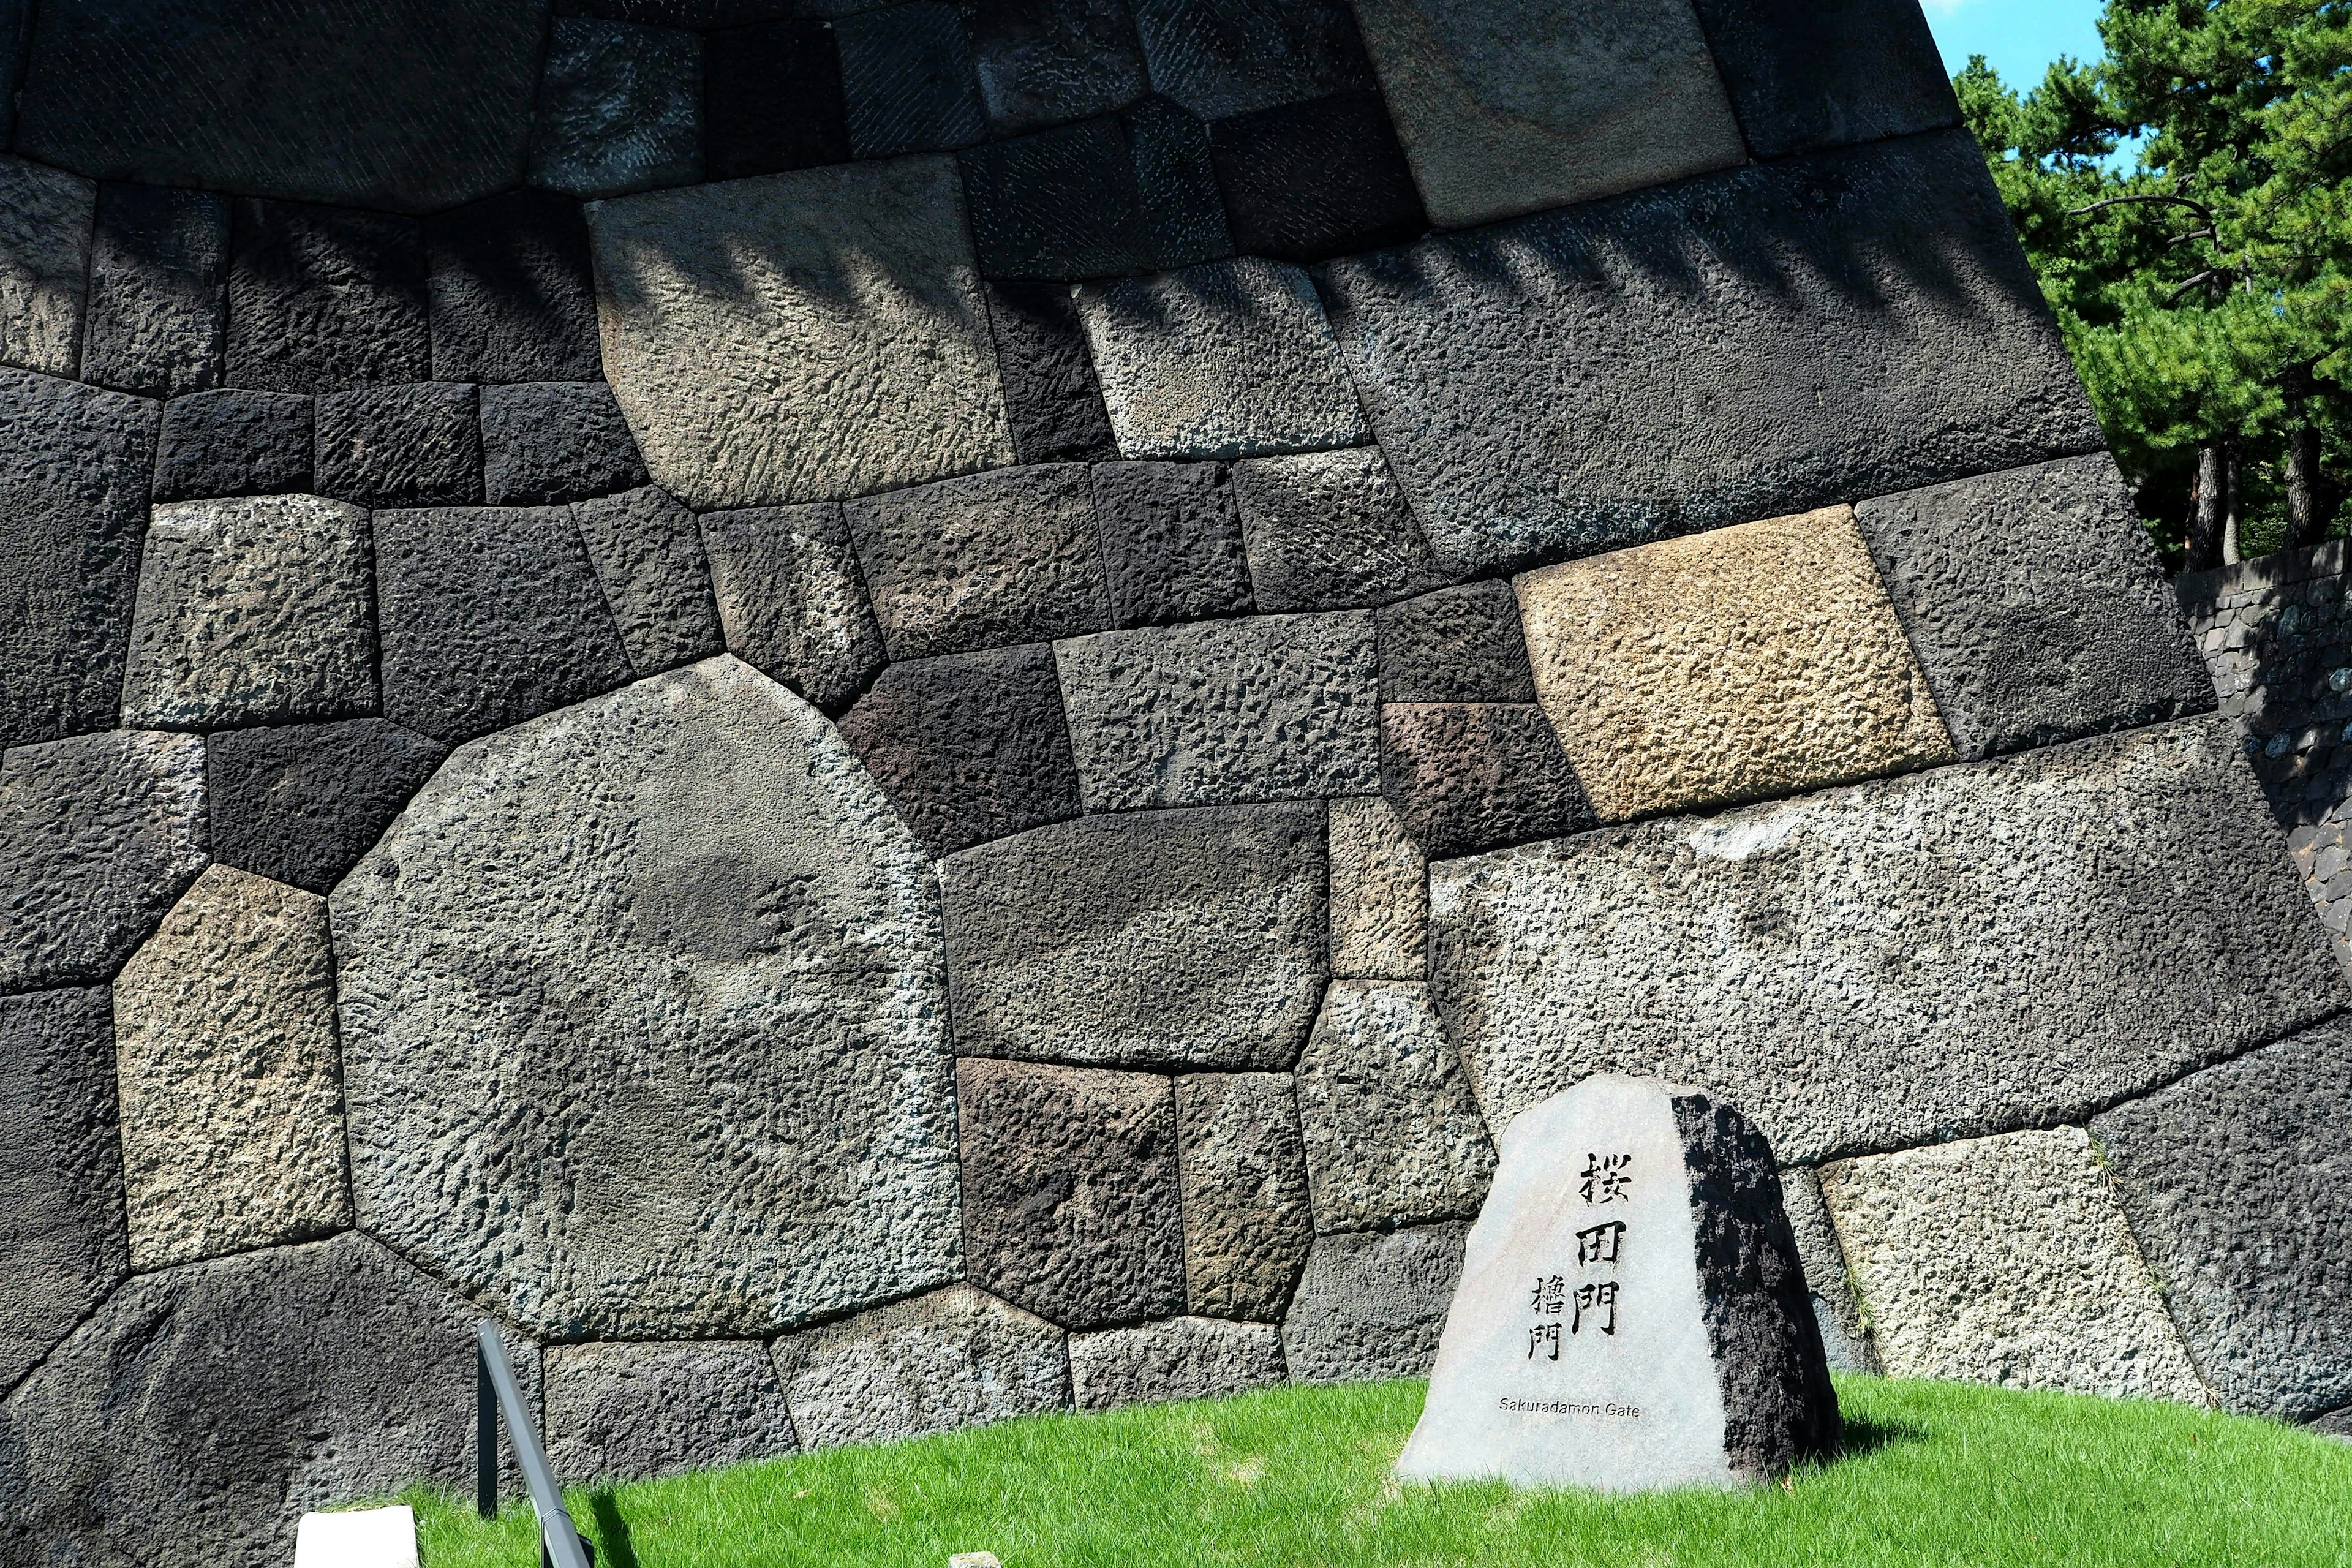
<point>1935,1474</point>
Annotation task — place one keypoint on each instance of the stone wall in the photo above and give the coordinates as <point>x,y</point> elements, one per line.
<point>878,717</point>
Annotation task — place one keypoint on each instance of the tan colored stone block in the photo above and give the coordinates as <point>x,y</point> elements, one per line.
<point>1734,665</point>
<point>1380,894</point>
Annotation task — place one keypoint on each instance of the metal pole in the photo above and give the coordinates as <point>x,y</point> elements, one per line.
<point>559,1542</point>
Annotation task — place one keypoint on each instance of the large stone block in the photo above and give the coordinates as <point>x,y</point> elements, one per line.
<point>1248,1220</point>
<point>2234,1181</point>
<point>301,802</point>
<point>2006,1260</point>
<point>1063,204</point>
<point>907,80</point>
<point>620,109</point>
<point>1172,542</point>
<point>158,279</point>
<point>791,599</point>
<point>1182,1358</point>
<point>1176,180</point>
<point>555,441</point>
<point>1458,645</point>
<point>1393,1134</point>
<point>2037,607</point>
<point>771,95</point>
<point>1270,708</point>
<point>1220,58</point>
<point>233,443</point>
<point>252,611</point>
<point>1043,63</point>
<point>1960,951</point>
<point>511,291</point>
<point>1371,1304</point>
<point>1303,182</point>
<point>231,1094</point>
<point>655,983</point>
<point>320,298</point>
<point>958,1357</point>
<point>647,552</point>
<point>1741,663</point>
<point>1380,894</point>
<point>633,1411</point>
<point>60,1171</point>
<point>1329,530</point>
<point>399,445</point>
<point>1071,1206</point>
<point>1051,400</point>
<point>1862,321</point>
<point>97,835</point>
<point>1175,937</point>
<point>45,239</point>
<point>1472,776</point>
<point>805,337</point>
<point>1808,74</point>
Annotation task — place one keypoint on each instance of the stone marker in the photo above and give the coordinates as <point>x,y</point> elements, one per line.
<point>1631,1313</point>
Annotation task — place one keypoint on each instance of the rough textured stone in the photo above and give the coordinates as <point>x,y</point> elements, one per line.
<point>60,1171</point>
<point>1472,776</point>
<point>1845,1339</point>
<point>647,553</point>
<point>232,443</point>
<point>204,1408</point>
<point>301,804</point>
<point>1220,58</point>
<point>73,500</point>
<point>958,1357</point>
<point>1051,400</point>
<point>1394,1135</point>
<point>906,80</point>
<point>97,835</point>
<point>1247,1216</point>
<point>488,615</point>
<point>1457,645</point>
<point>710,984</point>
<point>1306,181</point>
<point>555,441</point>
<point>792,601</point>
<point>772,100</point>
<point>1178,938</point>
<point>2006,1260</point>
<point>982,560</point>
<point>1045,61</point>
<point>158,282</point>
<point>1062,204</point>
<point>969,747</point>
<point>1176,179</point>
<point>805,337</point>
<point>1182,1358</point>
<point>2234,1181</point>
<point>1231,359</point>
<point>1535,384</point>
<point>251,611</point>
<point>200,92</point>
<point>627,1412</point>
<point>45,241</point>
<point>620,110</point>
<point>1380,894</point>
<point>511,291</point>
<point>399,445</point>
<point>1963,950</point>
<point>1329,530</point>
<point>1372,1304</point>
<point>1172,542</point>
<point>320,298</point>
<point>1271,707</point>
<point>231,1095</point>
<point>2036,605</point>
<point>1805,73</point>
<point>1742,663</point>
<point>1070,1195</point>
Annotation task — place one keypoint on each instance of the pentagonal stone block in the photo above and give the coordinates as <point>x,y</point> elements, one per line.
<point>1845,1339</point>
<point>1306,181</point>
<point>969,747</point>
<point>1051,400</point>
<point>487,616</point>
<point>958,1357</point>
<point>209,1406</point>
<point>647,553</point>
<point>1329,530</point>
<point>233,443</point>
<point>1751,661</point>
<point>982,560</point>
<point>73,485</point>
<point>1247,1221</point>
<point>1230,359</point>
<point>1176,178</point>
<point>2234,1183</point>
<point>1218,57</point>
<point>1182,1358</point>
<point>231,1098</point>
<point>301,804</point>
<point>1043,63</point>
<point>1271,707</point>
<point>1061,204</point>
<point>320,298</point>
<point>1491,364</point>
<point>2036,605</point>
<point>45,229</point>
<point>251,611</point>
<point>792,601</point>
<point>97,835</point>
<point>771,99</point>
<point>1172,542</point>
<point>1457,645</point>
<point>806,337</point>
<point>399,445</point>
<point>1983,946</point>
<point>512,298</point>
<point>620,109</point>
<point>680,894</point>
<point>1372,1304</point>
<point>60,1171</point>
<point>1070,1198</point>
<point>555,441</point>
<point>1192,938</point>
<point>1380,894</point>
<point>630,1412</point>
<point>158,277</point>
<point>1470,776</point>
<point>2006,1260</point>
<point>906,80</point>
<point>1810,74</point>
<point>1393,1136</point>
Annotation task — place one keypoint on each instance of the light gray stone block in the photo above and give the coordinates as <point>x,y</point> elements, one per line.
<point>957,1357</point>
<point>1182,1358</point>
<point>643,1033</point>
<point>633,1411</point>
<point>46,218</point>
<point>1380,894</point>
<point>1845,1339</point>
<point>647,553</point>
<point>60,1171</point>
<point>1394,1135</point>
<point>1329,530</point>
<point>791,599</point>
<point>1976,948</point>
<point>1248,1219</point>
<point>1371,1304</point>
<point>620,109</point>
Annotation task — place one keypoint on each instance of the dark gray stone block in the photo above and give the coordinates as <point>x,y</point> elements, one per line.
<point>969,746</point>
<point>647,553</point>
<point>233,443</point>
<point>1057,205</point>
<point>1494,363</point>
<point>772,100</point>
<point>555,441</point>
<point>1172,542</point>
<point>620,110</point>
<point>1306,181</point>
<point>791,599</point>
<point>320,298</point>
<point>16,34</point>
<point>629,1412</point>
<point>2036,605</point>
<point>697,14</point>
<point>906,80</point>
<point>74,463</point>
<point>1471,776</point>
<point>1371,1304</point>
<point>1070,1198</point>
<point>301,802</point>
<point>1457,645</point>
<point>60,1170</point>
<point>158,290</point>
<point>399,445</point>
<point>1810,74</point>
<point>1329,530</point>
<point>1176,179</point>
<point>1043,62</point>
<point>1220,58</point>
<point>487,616</point>
<point>1051,400</point>
<point>511,292</point>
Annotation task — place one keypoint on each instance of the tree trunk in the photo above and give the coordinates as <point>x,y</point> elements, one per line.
<point>2233,511</point>
<point>2306,521</point>
<point>2208,506</point>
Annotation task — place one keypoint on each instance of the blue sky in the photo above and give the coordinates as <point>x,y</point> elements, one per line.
<point>2017,37</point>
